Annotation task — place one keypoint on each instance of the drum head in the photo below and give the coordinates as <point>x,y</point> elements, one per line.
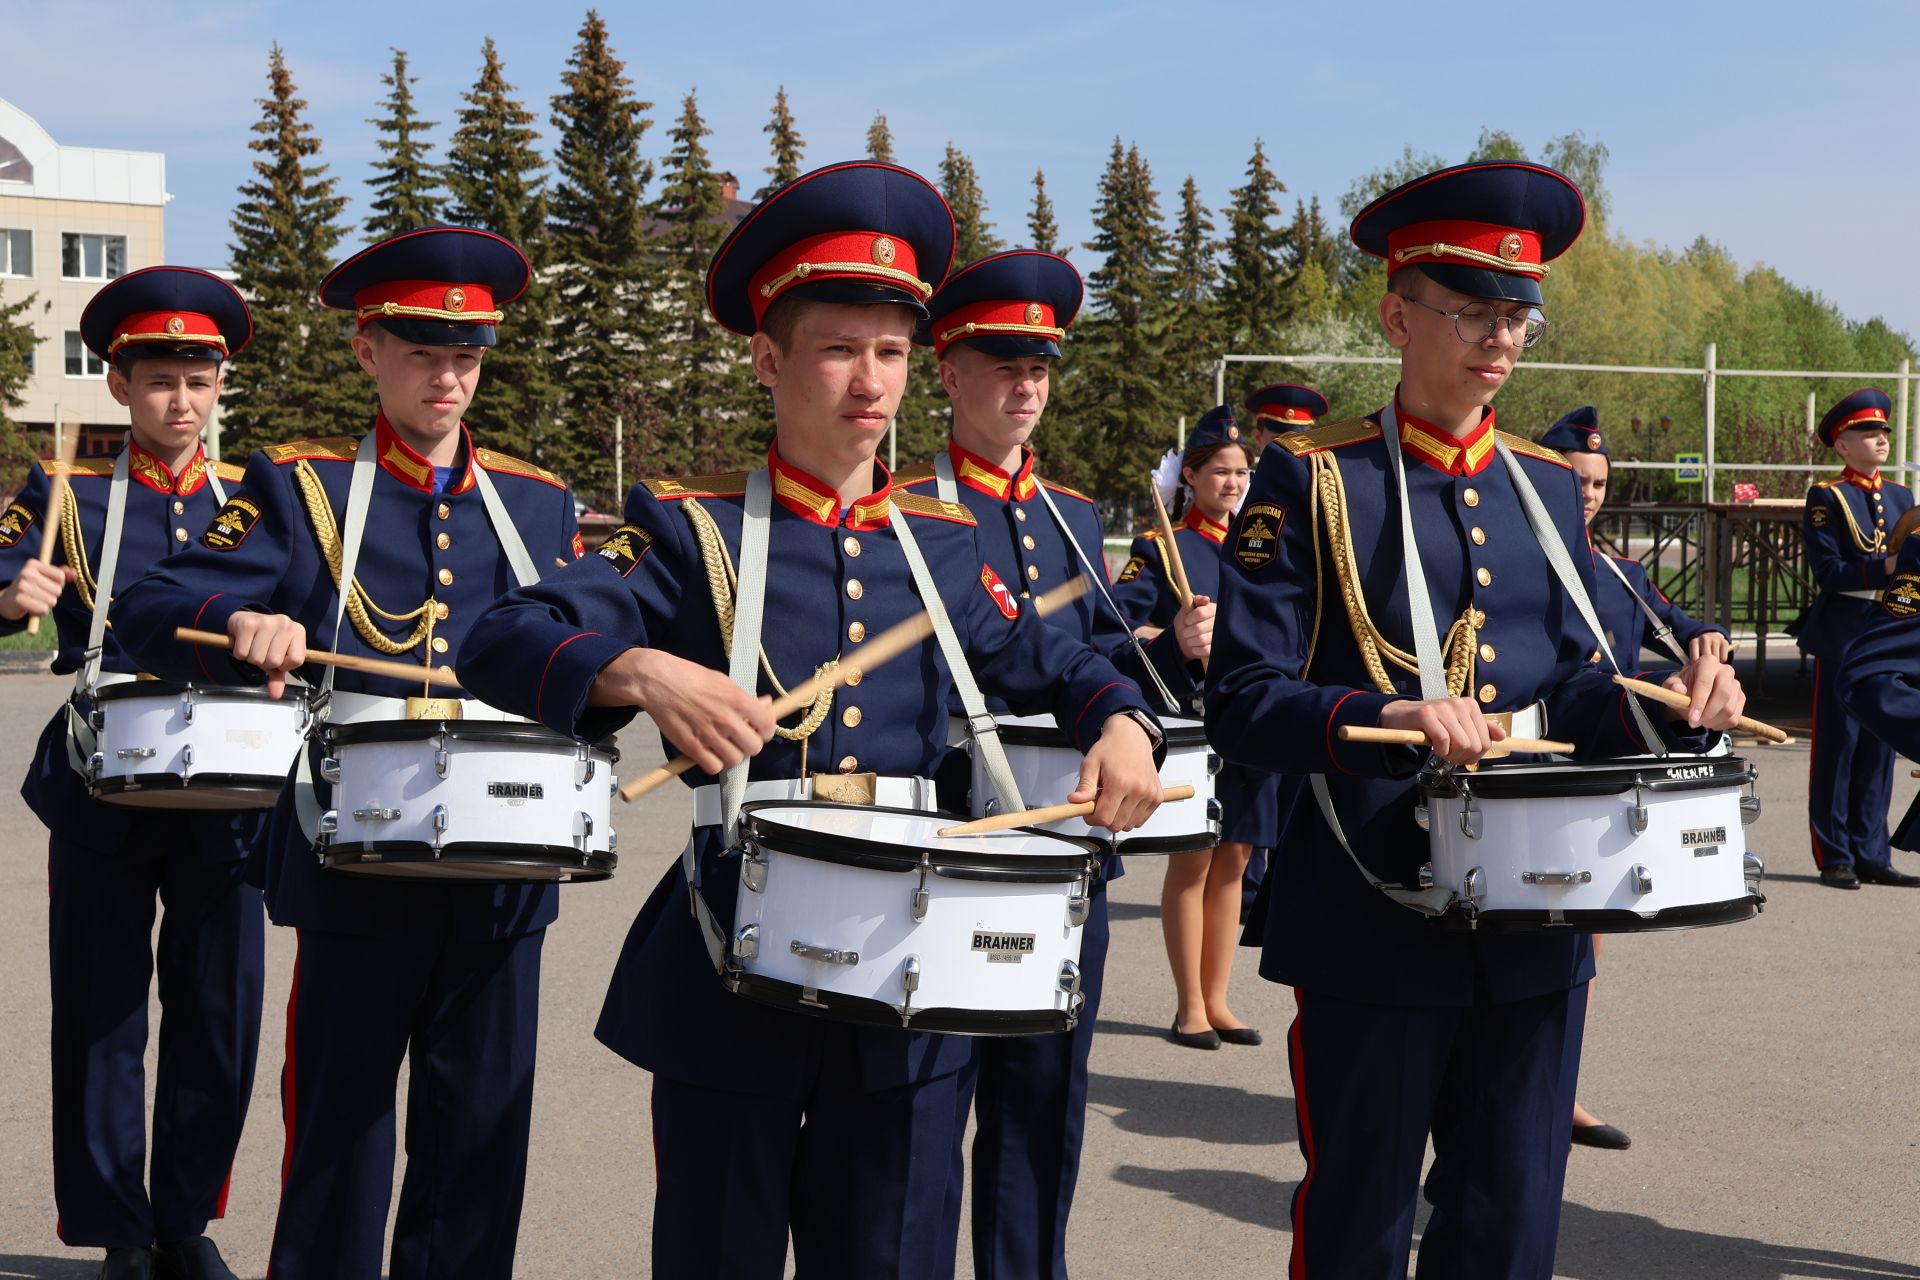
<point>884,839</point>
<point>209,692</point>
<point>1526,780</point>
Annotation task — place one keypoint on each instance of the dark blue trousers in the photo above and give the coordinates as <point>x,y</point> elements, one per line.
<point>1849,783</point>
<point>1250,881</point>
<point>102,961</point>
<point>464,1016</point>
<point>1029,1099</point>
<point>1493,1084</point>
<point>859,1177</point>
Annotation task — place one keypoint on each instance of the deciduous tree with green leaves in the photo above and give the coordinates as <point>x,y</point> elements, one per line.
<point>788,147</point>
<point>405,182</point>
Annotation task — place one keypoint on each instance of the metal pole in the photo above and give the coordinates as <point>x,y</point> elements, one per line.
<point>619,459</point>
<point>1812,413</point>
<point>58,442</point>
<point>1901,455</point>
<point>1712,363</point>
<point>1220,381</point>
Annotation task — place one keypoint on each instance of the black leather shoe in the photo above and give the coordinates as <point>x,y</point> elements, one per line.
<point>1603,1136</point>
<point>194,1259</point>
<point>1238,1035</point>
<point>1208,1039</point>
<point>1884,875</point>
<point>127,1264</point>
<point>1839,876</point>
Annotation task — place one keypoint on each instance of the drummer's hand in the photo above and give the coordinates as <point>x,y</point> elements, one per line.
<point>1193,629</point>
<point>1456,730</point>
<point>1711,644</point>
<point>1119,777</point>
<point>271,641</point>
<point>697,709</point>
<point>33,593</point>
<point>1716,696</point>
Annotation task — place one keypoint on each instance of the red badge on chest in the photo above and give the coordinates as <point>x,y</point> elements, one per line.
<point>1003,598</point>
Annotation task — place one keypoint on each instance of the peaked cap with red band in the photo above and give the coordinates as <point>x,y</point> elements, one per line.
<point>1486,230</point>
<point>1009,305</point>
<point>438,286</point>
<point>854,233</point>
<point>1864,410</point>
<point>180,312</point>
<point>1286,406</point>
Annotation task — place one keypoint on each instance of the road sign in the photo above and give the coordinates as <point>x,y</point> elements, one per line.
<point>1688,468</point>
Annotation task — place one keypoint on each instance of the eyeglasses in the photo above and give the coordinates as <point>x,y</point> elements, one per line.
<point>1476,322</point>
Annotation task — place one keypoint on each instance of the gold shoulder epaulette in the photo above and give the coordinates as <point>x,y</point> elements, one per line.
<point>81,466</point>
<point>332,448</point>
<point>1061,488</point>
<point>1532,449</point>
<point>1829,484</point>
<point>732,484</point>
<point>918,473</point>
<point>916,505</point>
<point>228,471</point>
<point>1152,531</point>
<point>1331,436</point>
<point>508,465</point>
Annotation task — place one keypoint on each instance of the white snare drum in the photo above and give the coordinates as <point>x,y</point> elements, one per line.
<point>161,745</point>
<point>1614,847</point>
<point>863,914</point>
<point>1047,769</point>
<point>455,800</point>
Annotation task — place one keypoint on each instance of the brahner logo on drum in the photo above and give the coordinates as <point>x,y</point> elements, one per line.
<point>1003,948</point>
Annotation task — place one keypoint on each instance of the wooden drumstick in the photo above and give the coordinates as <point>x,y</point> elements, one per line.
<point>1415,738</point>
<point>1181,589</point>
<point>1680,702</point>
<point>345,661</point>
<point>1902,530</point>
<point>56,497</point>
<point>1049,813</point>
<point>889,644</point>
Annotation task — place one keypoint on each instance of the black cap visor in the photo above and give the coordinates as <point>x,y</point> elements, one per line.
<point>1478,282</point>
<point>856,293</point>
<point>1012,346</point>
<point>437,333</point>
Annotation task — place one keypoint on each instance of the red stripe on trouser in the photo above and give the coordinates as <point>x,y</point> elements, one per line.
<point>1297,1266</point>
<point>653,1129</point>
<point>287,1094</point>
<point>226,1189</point>
<point>1813,751</point>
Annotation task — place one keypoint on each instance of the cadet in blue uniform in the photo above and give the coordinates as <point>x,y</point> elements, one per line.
<point>1200,898</point>
<point>1274,410</point>
<point>769,1122</point>
<point>444,975</point>
<point>1848,518</point>
<point>996,326</point>
<point>1405,1030</point>
<point>165,333</point>
<point>1879,680</point>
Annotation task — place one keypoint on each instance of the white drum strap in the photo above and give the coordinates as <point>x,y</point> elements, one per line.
<point>1660,628</point>
<point>945,487</point>
<point>524,571</point>
<point>80,735</point>
<point>981,726</point>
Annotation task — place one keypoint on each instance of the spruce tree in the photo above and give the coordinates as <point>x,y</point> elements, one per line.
<point>788,147</point>
<point>601,276</point>
<point>1043,232</point>
<point>496,180</point>
<point>1193,319</point>
<point>17,341</point>
<point>406,184</point>
<point>1313,291</point>
<point>1253,293</point>
<point>707,381</point>
<point>879,140</point>
<point>298,376</point>
<point>960,183</point>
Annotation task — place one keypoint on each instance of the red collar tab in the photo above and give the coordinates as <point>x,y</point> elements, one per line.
<point>153,473</point>
<point>838,255</point>
<point>427,300</point>
<point>807,498</point>
<point>174,328</point>
<point>1022,319</point>
<point>401,461</point>
<point>1289,417</point>
<point>1463,456</point>
<point>1206,528</point>
<point>1872,482</point>
<point>976,472</point>
<point>1451,242</point>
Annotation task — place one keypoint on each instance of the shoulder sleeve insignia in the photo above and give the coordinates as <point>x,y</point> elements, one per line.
<point>1901,597</point>
<point>1257,545</point>
<point>625,547</point>
<point>229,472</point>
<point>14,523</point>
<point>1002,596</point>
<point>918,505</point>
<point>579,545</point>
<point>1818,514</point>
<point>1132,569</point>
<point>1529,449</point>
<point>511,466</point>
<point>231,524</point>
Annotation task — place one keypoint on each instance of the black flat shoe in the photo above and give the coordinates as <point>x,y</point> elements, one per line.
<point>1208,1039</point>
<point>1885,875</point>
<point>127,1264</point>
<point>194,1259</point>
<point>1603,1136</point>
<point>1239,1035</point>
<point>1839,876</point>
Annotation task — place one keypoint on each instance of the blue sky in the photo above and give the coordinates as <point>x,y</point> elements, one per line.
<point>1784,132</point>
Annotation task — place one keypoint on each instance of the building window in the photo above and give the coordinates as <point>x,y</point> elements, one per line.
<point>82,363</point>
<point>16,252</point>
<point>90,257</point>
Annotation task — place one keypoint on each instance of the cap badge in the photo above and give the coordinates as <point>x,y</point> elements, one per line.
<point>883,252</point>
<point>1034,314</point>
<point>176,325</point>
<point>1233,433</point>
<point>456,299</point>
<point>1593,441</point>
<point>1510,246</point>
<point>1293,415</point>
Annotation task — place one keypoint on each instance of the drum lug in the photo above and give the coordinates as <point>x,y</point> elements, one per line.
<point>1079,905</point>
<point>1754,870</point>
<point>1214,764</point>
<point>746,942</point>
<point>910,976</point>
<point>1749,805</point>
<point>1423,820</point>
<point>97,718</point>
<point>96,765</point>
<point>1642,880</point>
<point>1425,878</point>
<point>330,769</point>
<point>824,955</point>
<point>325,830</point>
<point>921,898</point>
<point>439,826</point>
<point>582,830</point>
<point>583,757</point>
<point>440,759</point>
<point>1473,891</point>
<point>1069,978</point>
<point>1215,815</point>
<point>1469,818</point>
<point>186,762</point>
<point>753,873</point>
<point>991,808</point>
<point>1638,814</point>
<point>186,707</point>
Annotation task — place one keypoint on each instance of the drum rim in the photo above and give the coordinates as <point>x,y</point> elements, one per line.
<point>1179,731</point>
<point>271,785</point>
<point>778,993</point>
<point>363,731</point>
<point>1536,780</point>
<point>292,697</point>
<point>844,851</point>
<point>456,850</point>
<point>1690,915</point>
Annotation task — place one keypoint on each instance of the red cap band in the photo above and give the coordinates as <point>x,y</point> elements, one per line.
<point>1287,414</point>
<point>977,319</point>
<point>1877,416</point>
<point>838,255</point>
<point>176,327</point>
<point>427,300</point>
<point>1455,243</point>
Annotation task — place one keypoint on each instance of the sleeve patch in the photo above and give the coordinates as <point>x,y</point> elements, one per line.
<point>1132,570</point>
<point>624,547</point>
<point>1819,515</point>
<point>14,523</point>
<point>1258,543</point>
<point>1002,596</point>
<point>1901,598</point>
<point>579,546</point>
<point>231,524</point>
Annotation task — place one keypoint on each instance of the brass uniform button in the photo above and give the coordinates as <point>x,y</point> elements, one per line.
<point>179,535</point>
<point>848,764</point>
<point>446,577</point>
<point>854,677</point>
<point>1488,693</point>
<point>439,644</point>
<point>1033,572</point>
<point>179,507</point>
<point>857,632</point>
<point>851,546</point>
<point>1028,542</point>
<point>1479,619</point>
<point>1486,653</point>
<point>443,511</point>
<point>1020,514</point>
<point>854,589</point>
<point>1483,576</point>
<point>1479,536</point>
<point>439,612</point>
<point>1595,657</point>
<point>1471,497</point>
<point>443,542</point>
<point>850,717</point>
